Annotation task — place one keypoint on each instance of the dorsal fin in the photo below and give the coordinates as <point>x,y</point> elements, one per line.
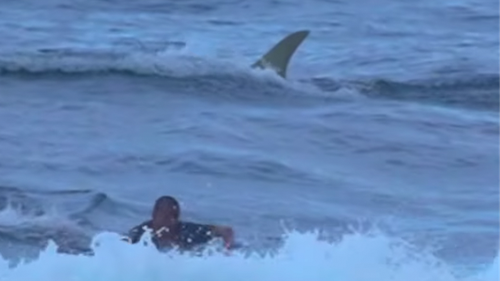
<point>279,56</point>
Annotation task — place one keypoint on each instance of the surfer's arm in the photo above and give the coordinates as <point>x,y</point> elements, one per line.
<point>135,234</point>
<point>224,232</point>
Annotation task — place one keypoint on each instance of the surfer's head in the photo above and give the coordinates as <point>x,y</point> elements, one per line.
<point>166,211</point>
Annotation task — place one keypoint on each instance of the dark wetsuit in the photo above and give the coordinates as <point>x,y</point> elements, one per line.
<point>189,234</point>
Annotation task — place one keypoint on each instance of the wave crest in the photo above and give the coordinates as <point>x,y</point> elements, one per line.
<point>357,257</point>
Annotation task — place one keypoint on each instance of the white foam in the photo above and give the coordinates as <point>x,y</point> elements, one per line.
<point>174,63</point>
<point>303,258</point>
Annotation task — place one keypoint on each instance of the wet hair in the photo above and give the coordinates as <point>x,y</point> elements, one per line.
<point>167,201</point>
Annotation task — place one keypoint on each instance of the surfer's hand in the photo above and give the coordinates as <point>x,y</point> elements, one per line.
<point>127,239</point>
<point>226,233</point>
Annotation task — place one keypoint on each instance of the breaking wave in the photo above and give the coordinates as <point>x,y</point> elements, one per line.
<point>177,69</point>
<point>357,257</point>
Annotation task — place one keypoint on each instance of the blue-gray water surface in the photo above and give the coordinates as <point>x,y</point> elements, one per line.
<point>383,138</point>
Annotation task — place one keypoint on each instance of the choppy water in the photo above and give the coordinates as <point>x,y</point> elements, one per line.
<point>384,138</point>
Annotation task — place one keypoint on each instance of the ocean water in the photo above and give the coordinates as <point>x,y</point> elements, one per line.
<point>377,159</point>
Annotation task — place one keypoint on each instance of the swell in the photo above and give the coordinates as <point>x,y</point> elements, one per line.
<point>69,217</point>
<point>479,91</point>
<point>245,166</point>
<point>168,73</point>
<point>239,166</point>
<point>30,218</point>
<point>222,79</point>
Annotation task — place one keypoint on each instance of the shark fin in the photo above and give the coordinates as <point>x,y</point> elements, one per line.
<point>279,56</point>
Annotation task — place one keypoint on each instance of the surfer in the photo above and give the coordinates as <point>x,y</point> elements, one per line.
<point>168,230</point>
